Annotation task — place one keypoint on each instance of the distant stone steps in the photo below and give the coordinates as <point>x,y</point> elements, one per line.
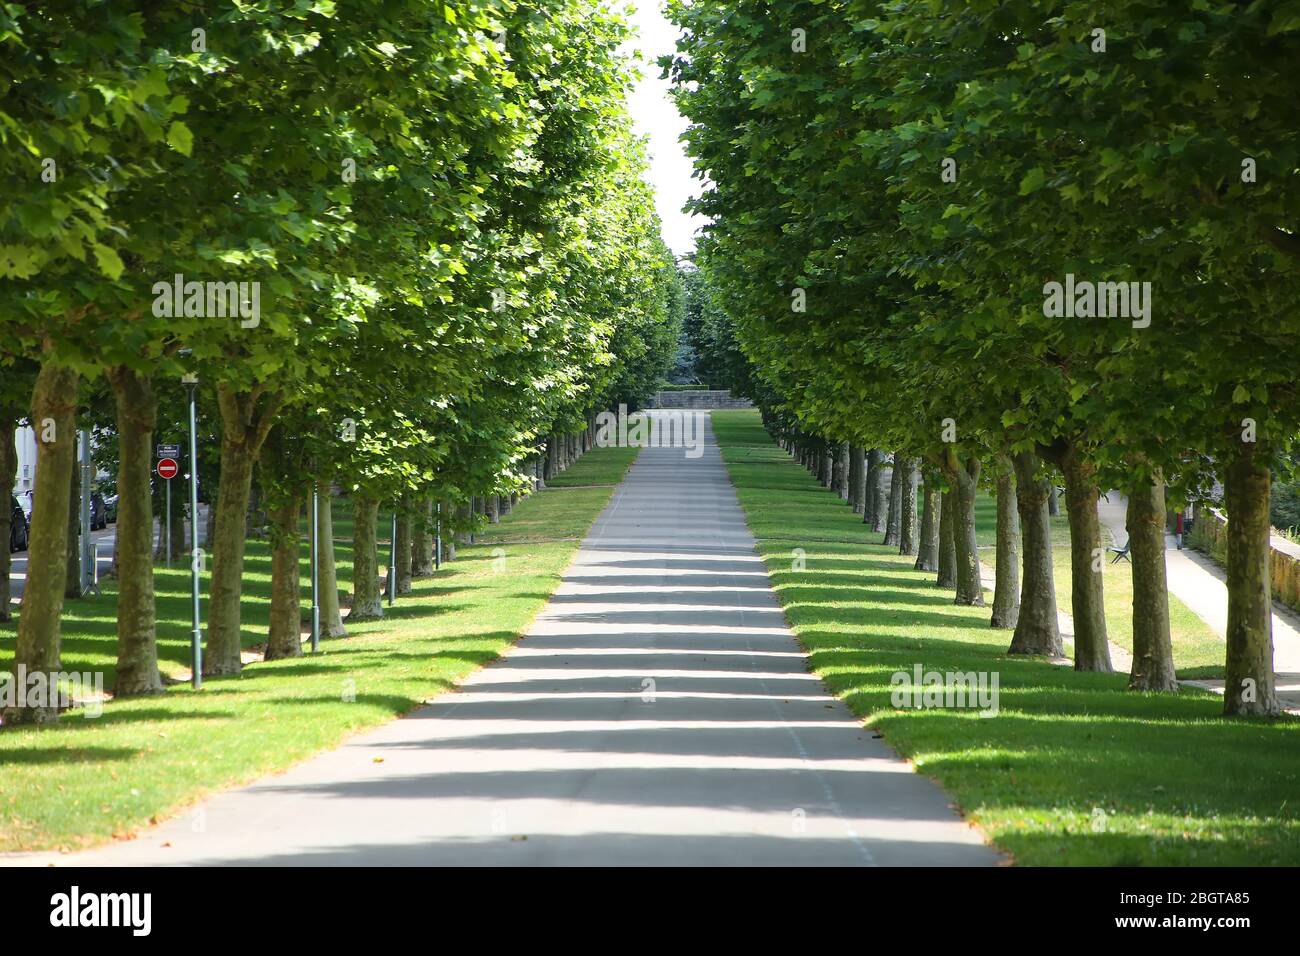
<point>699,399</point>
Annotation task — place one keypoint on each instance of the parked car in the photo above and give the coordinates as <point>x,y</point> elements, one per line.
<point>98,511</point>
<point>19,528</point>
<point>110,509</point>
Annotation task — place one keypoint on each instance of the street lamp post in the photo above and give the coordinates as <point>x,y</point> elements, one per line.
<point>191,382</point>
<point>315,567</point>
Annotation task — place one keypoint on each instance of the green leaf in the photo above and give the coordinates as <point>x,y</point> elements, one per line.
<point>180,138</point>
<point>110,264</point>
<point>17,262</point>
<point>1033,181</point>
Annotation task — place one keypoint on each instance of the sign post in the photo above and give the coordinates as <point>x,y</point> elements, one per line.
<point>167,470</point>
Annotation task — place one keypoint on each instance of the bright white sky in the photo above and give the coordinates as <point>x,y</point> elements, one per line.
<point>655,116</point>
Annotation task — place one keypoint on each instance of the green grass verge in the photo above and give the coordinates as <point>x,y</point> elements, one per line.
<point>1073,769</point>
<point>607,468</point>
<point>86,780</point>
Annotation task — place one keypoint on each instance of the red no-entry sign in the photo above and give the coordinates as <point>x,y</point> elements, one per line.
<point>167,468</point>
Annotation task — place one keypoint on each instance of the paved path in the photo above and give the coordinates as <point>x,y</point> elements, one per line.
<point>1198,582</point>
<point>564,753</point>
<point>105,540</point>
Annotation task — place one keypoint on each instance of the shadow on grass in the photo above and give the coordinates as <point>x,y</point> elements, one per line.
<point>65,755</point>
<point>1171,780</point>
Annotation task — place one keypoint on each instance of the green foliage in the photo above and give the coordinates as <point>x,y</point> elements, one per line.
<point>925,292</point>
<point>1284,508</point>
<point>426,226</point>
<point>456,250</point>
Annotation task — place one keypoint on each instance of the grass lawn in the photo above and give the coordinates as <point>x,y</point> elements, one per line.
<point>83,780</point>
<point>607,468</point>
<point>1073,769</point>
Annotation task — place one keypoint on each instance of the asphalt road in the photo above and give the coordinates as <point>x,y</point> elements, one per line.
<point>659,711</point>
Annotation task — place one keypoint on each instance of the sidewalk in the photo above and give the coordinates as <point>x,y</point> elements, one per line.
<point>1198,582</point>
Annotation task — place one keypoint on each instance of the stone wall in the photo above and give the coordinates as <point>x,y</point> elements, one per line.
<point>1210,534</point>
<point>699,399</point>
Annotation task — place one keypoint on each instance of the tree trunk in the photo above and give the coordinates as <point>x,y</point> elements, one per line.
<point>1053,504</point>
<point>246,420</point>
<point>1153,652</point>
<point>825,466</point>
<point>964,477</point>
<point>494,508</point>
<point>446,515</point>
<point>894,518</point>
<point>1249,681</point>
<point>402,547</point>
<point>223,643</point>
<point>874,513</point>
<point>8,477</point>
<point>178,520</point>
<point>1087,598</point>
<point>54,406</point>
<point>209,526</point>
<point>422,554</point>
<point>367,602</point>
<point>840,471</point>
<point>137,639</point>
<point>907,529</point>
<point>947,572</point>
<point>327,579</point>
<point>284,638</point>
<point>464,521</point>
<point>255,517</point>
<point>1006,587</point>
<point>1038,629</point>
<point>857,479</point>
<point>927,552</point>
